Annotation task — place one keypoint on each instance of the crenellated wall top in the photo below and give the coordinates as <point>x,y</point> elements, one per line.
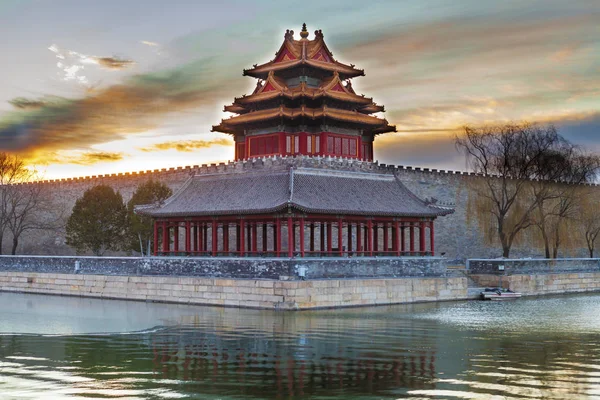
<point>272,162</point>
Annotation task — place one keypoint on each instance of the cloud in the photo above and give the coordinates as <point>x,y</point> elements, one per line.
<point>72,64</point>
<point>187,145</point>
<point>114,62</point>
<point>27,104</point>
<point>112,113</point>
<point>82,158</point>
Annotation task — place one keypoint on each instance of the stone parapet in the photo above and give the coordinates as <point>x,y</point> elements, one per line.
<point>532,266</point>
<point>261,268</point>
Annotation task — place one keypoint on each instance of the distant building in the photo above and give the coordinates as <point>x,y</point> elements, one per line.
<point>303,107</point>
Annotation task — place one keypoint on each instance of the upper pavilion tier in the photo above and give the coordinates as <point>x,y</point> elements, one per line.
<point>276,88</point>
<point>304,103</point>
<point>304,53</point>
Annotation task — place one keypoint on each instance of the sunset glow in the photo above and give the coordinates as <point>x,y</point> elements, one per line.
<point>85,90</point>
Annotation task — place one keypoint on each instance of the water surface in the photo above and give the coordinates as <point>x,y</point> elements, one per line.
<point>72,348</point>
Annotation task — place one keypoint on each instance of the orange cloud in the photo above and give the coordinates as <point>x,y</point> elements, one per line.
<point>85,158</point>
<point>114,62</point>
<point>109,114</point>
<point>187,145</point>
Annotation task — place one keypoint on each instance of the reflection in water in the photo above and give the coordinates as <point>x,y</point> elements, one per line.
<point>470,350</point>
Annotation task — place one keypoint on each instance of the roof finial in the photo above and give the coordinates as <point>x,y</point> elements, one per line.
<point>304,32</point>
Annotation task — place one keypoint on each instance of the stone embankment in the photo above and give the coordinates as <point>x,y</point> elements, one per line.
<point>533,277</point>
<point>251,293</point>
<point>247,282</point>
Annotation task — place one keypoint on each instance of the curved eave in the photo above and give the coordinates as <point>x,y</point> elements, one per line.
<point>340,115</point>
<point>372,108</point>
<point>435,212</point>
<point>384,129</point>
<point>262,71</point>
<point>223,129</point>
<point>239,106</point>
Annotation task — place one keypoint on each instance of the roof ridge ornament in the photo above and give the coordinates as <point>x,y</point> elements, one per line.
<point>304,32</point>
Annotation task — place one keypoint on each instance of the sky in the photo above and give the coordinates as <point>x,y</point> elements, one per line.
<point>95,87</point>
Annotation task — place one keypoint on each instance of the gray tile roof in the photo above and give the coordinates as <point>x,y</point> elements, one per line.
<point>304,189</point>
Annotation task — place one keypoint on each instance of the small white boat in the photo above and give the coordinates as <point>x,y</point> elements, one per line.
<point>499,294</point>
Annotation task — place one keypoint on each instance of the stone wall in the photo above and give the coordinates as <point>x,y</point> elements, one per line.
<point>532,266</point>
<point>540,284</point>
<point>252,293</point>
<point>455,235</point>
<point>261,268</point>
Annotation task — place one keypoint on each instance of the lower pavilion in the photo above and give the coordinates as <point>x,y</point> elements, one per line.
<point>323,196</point>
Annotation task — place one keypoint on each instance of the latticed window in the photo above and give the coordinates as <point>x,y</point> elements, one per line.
<point>353,147</point>
<point>309,140</point>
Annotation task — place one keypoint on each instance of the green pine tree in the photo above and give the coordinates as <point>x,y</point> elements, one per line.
<point>98,222</point>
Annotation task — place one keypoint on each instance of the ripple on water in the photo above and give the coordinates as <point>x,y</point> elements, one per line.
<point>470,350</point>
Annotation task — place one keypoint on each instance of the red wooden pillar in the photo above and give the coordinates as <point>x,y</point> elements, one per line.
<point>277,237</point>
<point>237,238</point>
<point>265,234</point>
<point>188,237</point>
<point>195,239</point>
<point>176,237</point>
<point>166,237</point>
<point>290,225</point>
<point>226,239</point>
<point>201,247</point>
<point>411,232</point>
<point>254,238</point>
<point>386,237</point>
<point>370,238</point>
<point>329,241</point>
<point>214,238</point>
<point>375,237</point>
<point>366,240</point>
<point>402,239</point>
<point>242,238</point>
<point>359,245</point>
<point>340,239</point>
<point>395,237</point>
<point>349,237</point>
<point>155,241</point>
<point>311,245</point>
<point>322,238</point>
<point>422,238</point>
<point>205,237</point>
<point>248,239</point>
<point>301,237</point>
<point>431,236</point>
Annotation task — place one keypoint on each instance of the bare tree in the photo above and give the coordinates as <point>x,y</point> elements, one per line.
<point>521,163</point>
<point>589,219</point>
<point>20,201</point>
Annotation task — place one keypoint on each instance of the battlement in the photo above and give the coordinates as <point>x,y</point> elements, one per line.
<point>269,162</point>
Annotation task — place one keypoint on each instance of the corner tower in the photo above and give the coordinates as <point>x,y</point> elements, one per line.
<point>304,103</point>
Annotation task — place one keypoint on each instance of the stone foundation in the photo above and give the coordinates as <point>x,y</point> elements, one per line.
<point>251,293</point>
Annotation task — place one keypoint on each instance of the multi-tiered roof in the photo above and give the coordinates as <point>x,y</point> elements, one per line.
<point>289,206</point>
<point>304,103</point>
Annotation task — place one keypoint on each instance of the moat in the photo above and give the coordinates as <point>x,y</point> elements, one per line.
<point>66,348</point>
